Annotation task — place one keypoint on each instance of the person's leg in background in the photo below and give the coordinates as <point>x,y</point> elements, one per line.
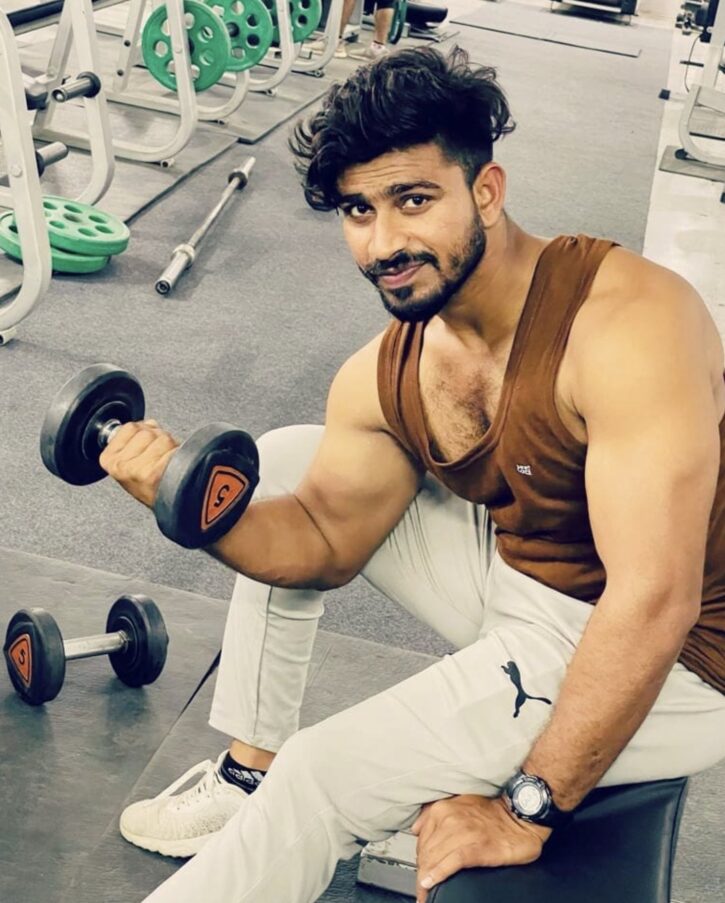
<point>341,50</point>
<point>384,14</point>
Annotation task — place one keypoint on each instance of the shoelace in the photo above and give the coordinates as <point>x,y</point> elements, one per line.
<point>206,768</point>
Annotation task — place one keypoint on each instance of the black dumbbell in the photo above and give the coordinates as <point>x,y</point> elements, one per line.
<point>207,484</point>
<point>35,652</point>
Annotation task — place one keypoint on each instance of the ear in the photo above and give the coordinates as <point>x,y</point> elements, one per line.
<point>489,193</point>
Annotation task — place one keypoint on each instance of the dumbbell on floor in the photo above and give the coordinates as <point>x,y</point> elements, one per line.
<point>35,652</point>
<point>208,481</point>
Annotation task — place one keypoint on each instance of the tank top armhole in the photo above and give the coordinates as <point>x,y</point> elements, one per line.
<point>389,377</point>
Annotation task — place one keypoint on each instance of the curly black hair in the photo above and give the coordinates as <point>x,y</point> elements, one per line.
<point>410,97</point>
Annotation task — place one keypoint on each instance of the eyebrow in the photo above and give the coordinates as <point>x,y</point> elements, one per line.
<point>391,191</point>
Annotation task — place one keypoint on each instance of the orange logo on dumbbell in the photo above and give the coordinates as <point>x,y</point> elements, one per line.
<point>22,658</point>
<point>225,486</point>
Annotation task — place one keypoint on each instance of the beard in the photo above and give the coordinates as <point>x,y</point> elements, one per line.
<point>464,260</point>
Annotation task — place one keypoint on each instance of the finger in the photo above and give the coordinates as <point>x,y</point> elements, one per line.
<point>122,435</point>
<point>420,821</point>
<point>444,868</point>
<point>150,423</point>
<point>141,440</point>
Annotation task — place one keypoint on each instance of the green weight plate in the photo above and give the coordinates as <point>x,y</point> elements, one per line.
<point>271,8</point>
<point>209,46</point>
<point>250,28</point>
<point>82,229</point>
<point>62,261</point>
<point>306,16</point>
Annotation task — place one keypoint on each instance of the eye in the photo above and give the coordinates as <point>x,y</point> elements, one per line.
<point>415,201</point>
<point>356,211</point>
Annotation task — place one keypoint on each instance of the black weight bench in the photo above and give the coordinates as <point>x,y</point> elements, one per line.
<point>618,848</point>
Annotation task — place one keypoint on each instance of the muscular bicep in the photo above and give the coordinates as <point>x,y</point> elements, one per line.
<point>645,392</point>
<point>361,481</point>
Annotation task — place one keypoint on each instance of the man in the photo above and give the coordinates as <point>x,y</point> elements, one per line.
<point>566,392</point>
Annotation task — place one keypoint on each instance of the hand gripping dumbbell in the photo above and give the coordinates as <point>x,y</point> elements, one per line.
<point>208,481</point>
<point>35,652</point>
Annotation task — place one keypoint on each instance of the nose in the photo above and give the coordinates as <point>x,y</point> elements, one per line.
<point>387,237</point>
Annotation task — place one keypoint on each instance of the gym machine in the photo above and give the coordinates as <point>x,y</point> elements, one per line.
<point>53,89</point>
<point>705,93</point>
<point>23,193</point>
<point>620,7</point>
<point>156,39</point>
<point>76,26</point>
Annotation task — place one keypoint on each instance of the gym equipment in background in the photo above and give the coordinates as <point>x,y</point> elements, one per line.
<point>705,93</point>
<point>620,7</point>
<point>82,237</point>
<point>23,191</point>
<point>36,653</point>
<point>208,481</point>
<point>184,255</point>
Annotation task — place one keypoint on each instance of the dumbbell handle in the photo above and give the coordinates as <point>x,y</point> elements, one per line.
<point>107,431</point>
<point>102,644</point>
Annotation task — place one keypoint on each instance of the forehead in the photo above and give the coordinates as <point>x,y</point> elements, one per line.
<point>422,163</point>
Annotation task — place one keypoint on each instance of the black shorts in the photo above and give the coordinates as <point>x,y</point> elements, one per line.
<point>370,5</point>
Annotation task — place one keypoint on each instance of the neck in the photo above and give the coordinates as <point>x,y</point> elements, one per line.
<point>489,305</point>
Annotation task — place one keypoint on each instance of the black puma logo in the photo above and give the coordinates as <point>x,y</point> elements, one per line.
<point>512,669</point>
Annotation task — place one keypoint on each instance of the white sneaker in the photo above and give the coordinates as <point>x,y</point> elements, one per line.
<point>180,825</point>
<point>322,45</point>
<point>375,51</point>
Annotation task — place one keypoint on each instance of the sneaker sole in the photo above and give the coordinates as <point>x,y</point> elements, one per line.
<point>177,849</point>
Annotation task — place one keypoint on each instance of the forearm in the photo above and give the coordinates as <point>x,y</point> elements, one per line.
<point>277,542</point>
<point>614,678</point>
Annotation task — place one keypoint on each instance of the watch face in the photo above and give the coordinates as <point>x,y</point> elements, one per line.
<point>528,799</point>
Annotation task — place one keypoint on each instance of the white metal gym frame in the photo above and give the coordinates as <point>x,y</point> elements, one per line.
<point>89,58</point>
<point>706,93</point>
<point>331,38</point>
<point>24,185</point>
<point>281,58</point>
<point>75,29</point>
<point>129,56</point>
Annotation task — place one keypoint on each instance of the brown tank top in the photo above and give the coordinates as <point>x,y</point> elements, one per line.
<point>527,469</point>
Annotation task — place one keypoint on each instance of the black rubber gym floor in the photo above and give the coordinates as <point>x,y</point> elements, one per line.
<point>68,768</point>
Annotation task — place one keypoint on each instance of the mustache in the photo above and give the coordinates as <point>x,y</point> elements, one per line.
<point>398,262</point>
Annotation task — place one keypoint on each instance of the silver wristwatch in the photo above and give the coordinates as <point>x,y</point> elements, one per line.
<point>529,798</point>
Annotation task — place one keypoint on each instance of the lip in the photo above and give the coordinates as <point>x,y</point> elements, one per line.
<point>401,278</point>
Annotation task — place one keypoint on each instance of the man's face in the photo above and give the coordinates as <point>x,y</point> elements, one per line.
<point>413,228</point>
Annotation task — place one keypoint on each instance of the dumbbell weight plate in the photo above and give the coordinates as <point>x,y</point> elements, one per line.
<point>143,659</point>
<point>207,485</point>
<point>34,655</point>
<point>69,436</point>
<point>210,47</point>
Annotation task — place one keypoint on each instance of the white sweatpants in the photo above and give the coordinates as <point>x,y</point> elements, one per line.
<point>463,725</point>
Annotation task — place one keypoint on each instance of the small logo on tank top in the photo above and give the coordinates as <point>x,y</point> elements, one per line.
<point>524,469</point>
